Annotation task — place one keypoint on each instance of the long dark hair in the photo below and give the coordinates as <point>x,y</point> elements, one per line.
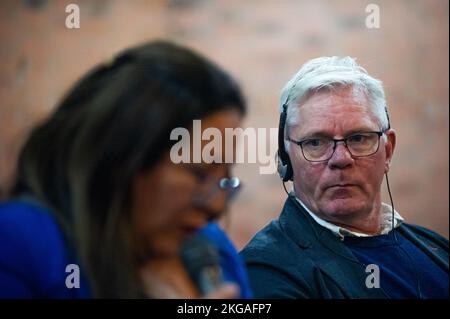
<point>114,124</point>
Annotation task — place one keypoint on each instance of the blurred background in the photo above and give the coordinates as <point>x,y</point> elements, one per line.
<point>262,43</point>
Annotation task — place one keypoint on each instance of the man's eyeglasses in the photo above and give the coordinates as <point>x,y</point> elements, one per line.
<point>321,149</point>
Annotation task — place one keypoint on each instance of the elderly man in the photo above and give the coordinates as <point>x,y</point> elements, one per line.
<point>335,238</point>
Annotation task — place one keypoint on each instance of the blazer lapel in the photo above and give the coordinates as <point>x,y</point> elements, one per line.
<point>329,254</point>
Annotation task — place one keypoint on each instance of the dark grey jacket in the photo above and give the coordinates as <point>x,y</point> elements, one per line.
<point>294,257</point>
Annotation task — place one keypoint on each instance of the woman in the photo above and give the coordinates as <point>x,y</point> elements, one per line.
<point>96,186</point>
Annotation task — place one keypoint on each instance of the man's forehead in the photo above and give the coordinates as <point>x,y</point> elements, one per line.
<point>336,95</point>
<point>325,110</point>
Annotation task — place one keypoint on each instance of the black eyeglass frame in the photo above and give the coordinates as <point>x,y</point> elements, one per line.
<point>335,141</point>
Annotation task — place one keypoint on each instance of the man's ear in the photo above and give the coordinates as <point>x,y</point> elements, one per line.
<point>389,147</point>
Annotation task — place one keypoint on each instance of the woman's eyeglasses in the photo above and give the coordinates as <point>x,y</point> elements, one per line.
<point>210,186</point>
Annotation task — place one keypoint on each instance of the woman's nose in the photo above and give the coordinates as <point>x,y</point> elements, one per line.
<point>216,205</point>
<point>213,205</point>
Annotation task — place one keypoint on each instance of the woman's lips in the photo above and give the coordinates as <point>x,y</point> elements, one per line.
<point>188,231</point>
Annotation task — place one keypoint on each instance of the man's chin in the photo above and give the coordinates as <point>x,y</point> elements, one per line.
<point>343,208</point>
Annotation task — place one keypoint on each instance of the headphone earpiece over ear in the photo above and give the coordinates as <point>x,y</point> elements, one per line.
<point>284,163</point>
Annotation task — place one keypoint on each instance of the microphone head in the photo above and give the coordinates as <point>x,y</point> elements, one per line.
<point>202,262</point>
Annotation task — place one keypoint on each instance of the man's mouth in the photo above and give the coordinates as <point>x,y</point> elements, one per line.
<point>341,185</point>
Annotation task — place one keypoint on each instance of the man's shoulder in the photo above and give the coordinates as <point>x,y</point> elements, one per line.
<point>284,260</point>
<point>428,235</point>
<point>277,241</point>
<point>271,245</point>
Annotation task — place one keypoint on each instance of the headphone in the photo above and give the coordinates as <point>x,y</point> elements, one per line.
<point>284,165</point>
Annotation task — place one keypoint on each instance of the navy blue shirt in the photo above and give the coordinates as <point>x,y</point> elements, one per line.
<point>405,270</point>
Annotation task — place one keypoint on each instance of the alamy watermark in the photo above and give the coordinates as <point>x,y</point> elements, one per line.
<point>73,277</point>
<point>373,277</point>
<point>373,17</point>
<point>73,18</point>
<point>253,145</point>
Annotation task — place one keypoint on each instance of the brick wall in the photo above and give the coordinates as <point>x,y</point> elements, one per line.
<point>262,43</point>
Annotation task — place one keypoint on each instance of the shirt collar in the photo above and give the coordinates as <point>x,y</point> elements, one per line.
<point>341,232</point>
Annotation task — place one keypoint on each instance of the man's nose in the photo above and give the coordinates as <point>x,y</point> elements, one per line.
<point>341,157</point>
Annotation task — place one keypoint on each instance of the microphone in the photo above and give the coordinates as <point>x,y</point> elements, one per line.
<point>202,262</point>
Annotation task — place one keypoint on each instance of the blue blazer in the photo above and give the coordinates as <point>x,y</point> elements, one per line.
<point>34,255</point>
<point>294,257</point>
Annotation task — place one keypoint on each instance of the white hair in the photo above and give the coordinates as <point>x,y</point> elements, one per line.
<point>332,73</point>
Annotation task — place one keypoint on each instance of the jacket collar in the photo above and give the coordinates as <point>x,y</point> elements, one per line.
<point>341,232</point>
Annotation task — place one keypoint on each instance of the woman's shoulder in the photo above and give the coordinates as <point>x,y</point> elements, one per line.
<point>232,265</point>
<point>26,223</point>
<point>33,251</point>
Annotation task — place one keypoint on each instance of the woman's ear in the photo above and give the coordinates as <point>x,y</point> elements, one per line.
<point>389,147</point>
